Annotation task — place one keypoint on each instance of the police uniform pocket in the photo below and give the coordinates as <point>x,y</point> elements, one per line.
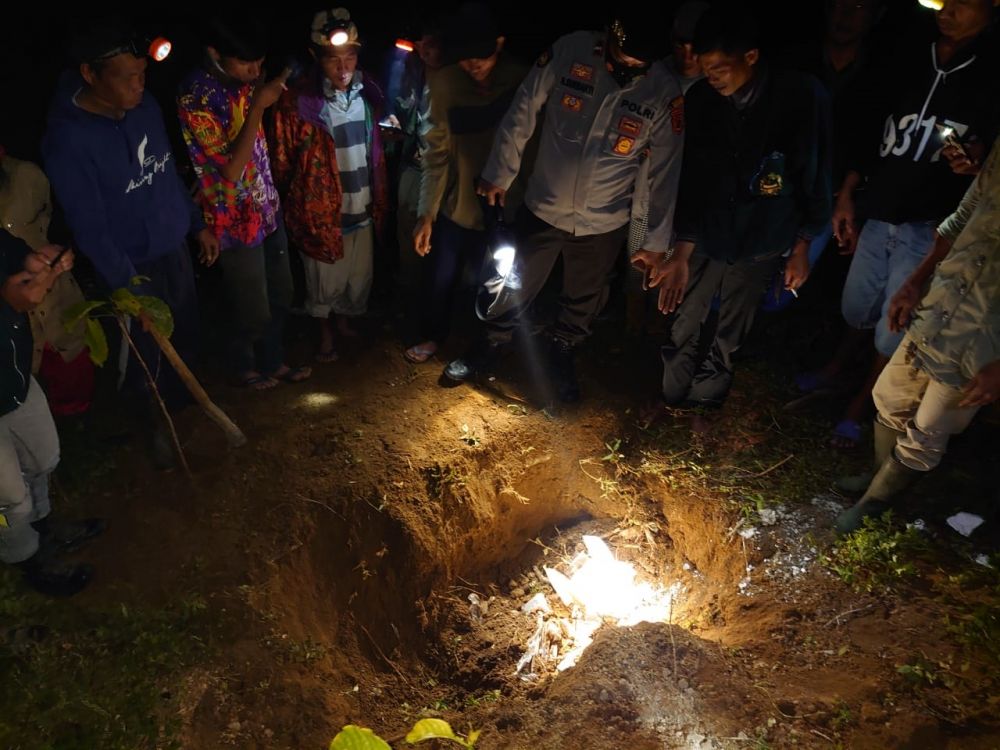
<point>567,115</point>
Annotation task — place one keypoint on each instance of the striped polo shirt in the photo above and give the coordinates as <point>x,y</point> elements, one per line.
<point>343,116</point>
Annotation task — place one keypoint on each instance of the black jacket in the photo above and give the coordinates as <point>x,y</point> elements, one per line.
<point>753,180</point>
<point>15,330</point>
<point>907,179</point>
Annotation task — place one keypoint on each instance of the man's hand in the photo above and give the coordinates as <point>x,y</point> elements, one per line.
<point>983,389</point>
<point>422,235</point>
<point>844,228</point>
<point>646,261</point>
<point>266,95</point>
<point>494,195</point>
<point>965,160</point>
<point>797,267</point>
<point>671,277</point>
<point>49,257</point>
<point>208,246</point>
<point>902,305</point>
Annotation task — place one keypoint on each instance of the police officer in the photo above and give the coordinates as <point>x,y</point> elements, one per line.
<point>610,103</point>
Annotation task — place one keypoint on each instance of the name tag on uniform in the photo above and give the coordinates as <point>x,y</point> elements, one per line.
<point>628,126</point>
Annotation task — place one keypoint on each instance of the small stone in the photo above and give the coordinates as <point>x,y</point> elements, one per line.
<point>682,684</point>
<point>269,733</point>
<point>605,696</point>
<point>234,726</point>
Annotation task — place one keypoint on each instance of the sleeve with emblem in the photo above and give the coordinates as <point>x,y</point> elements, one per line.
<point>521,119</point>
<point>437,151</point>
<point>666,152</point>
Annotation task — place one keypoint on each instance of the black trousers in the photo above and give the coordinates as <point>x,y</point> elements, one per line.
<point>740,286</point>
<point>587,265</point>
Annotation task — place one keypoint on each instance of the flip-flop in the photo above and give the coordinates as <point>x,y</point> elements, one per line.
<point>293,374</point>
<point>420,353</point>
<point>257,383</point>
<point>849,430</point>
<point>327,356</point>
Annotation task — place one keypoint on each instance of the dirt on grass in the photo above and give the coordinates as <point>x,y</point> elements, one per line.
<point>337,552</point>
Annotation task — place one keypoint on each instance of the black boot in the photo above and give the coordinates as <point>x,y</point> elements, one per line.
<point>65,536</point>
<point>885,443</point>
<point>563,371</point>
<point>889,482</point>
<point>480,357</point>
<point>50,576</point>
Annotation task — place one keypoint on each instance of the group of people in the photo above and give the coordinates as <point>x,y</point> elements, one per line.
<point>723,174</point>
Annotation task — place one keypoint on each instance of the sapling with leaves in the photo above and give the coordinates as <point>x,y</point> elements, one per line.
<point>153,314</point>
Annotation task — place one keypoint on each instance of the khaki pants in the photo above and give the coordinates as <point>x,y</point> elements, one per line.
<point>342,287</point>
<point>926,411</point>
<point>29,451</point>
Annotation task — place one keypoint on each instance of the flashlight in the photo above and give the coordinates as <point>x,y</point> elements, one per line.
<point>404,44</point>
<point>336,31</point>
<point>159,48</point>
<point>502,278</point>
<point>948,136</point>
<point>503,248</point>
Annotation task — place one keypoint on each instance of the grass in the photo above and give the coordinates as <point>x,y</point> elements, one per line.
<point>75,677</point>
<point>876,556</point>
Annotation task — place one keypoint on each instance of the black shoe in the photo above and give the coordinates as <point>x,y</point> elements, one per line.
<point>65,536</point>
<point>480,358</point>
<point>53,577</point>
<point>563,372</point>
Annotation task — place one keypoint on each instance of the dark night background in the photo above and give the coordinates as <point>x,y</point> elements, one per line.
<point>33,45</point>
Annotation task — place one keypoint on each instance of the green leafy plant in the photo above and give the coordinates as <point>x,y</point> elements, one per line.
<point>353,737</point>
<point>876,555</point>
<point>154,314</point>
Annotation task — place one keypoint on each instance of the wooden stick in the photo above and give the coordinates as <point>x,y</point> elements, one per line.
<point>234,435</point>
<point>156,394</point>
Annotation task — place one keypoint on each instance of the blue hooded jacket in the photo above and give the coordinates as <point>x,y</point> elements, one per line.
<point>117,183</point>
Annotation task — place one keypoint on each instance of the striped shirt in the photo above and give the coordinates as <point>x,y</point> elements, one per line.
<point>343,117</point>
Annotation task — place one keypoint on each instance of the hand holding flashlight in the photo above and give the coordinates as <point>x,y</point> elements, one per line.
<point>958,155</point>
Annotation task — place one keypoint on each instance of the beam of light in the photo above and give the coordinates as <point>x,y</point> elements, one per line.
<point>932,4</point>
<point>599,589</point>
<point>397,64</point>
<point>504,259</point>
<point>318,400</point>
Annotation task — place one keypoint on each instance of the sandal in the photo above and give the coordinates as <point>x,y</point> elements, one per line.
<point>326,356</point>
<point>256,382</point>
<point>846,435</point>
<point>420,353</point>
<point>292,374</point>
